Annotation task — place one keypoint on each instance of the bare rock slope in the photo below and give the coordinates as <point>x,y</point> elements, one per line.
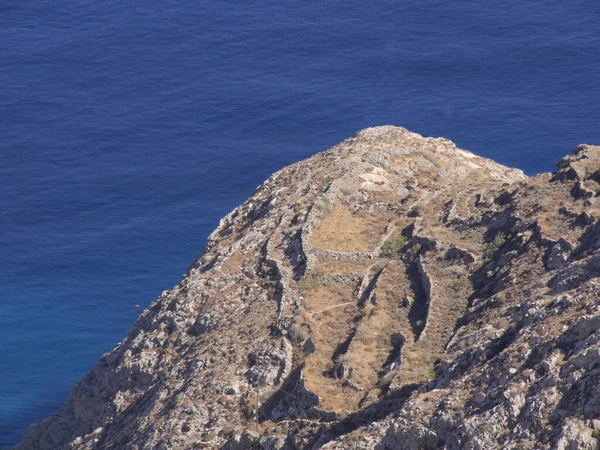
<point>393,292</point>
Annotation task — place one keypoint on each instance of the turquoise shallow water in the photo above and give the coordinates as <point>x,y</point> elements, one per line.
<point>129,128</point>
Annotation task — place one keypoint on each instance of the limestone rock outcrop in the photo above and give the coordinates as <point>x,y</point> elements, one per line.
<point>393,292</point>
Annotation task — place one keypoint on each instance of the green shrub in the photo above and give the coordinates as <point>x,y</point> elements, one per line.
<point>227,431</point>
<point>355,437</point>
<point>460,284</point>
<point>308,283</point>
<point>324,206</point>
<point>492,248</point>
<point>211,435</point>
<point>391,247</point>
<point>414,251</point>
<point>299,331</point>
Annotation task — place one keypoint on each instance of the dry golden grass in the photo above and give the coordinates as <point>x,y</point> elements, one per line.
<point>417,363</point>
<point>548,199</point>
<point>390,317</point>
<point>331,266</point>
<point>324,295</point>
<point>447,306</point>
<point>346,232</point>
<point>390,197</point>
<point>372,344</point>
<point>330,327</point>
<point>370,348</point>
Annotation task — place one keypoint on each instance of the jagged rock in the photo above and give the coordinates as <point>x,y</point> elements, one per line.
<point>342,371</point>
<point>457,254</point>
<point>579,191</point>
<point>405,436</point>
<point>269,367</point>
<point>584,219</point>
<point>204,324</point>
<point>580,165</point>
<point>483,201</point>
<point>246,441</point>
<point>272,443</point>
<point>559,253</point>
<point>449,213</point>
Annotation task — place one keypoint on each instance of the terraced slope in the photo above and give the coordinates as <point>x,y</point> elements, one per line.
<point>391,292</point>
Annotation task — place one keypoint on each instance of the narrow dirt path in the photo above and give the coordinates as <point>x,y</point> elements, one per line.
<point>332,307</point>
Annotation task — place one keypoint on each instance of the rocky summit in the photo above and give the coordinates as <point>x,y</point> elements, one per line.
<point>393,292</point>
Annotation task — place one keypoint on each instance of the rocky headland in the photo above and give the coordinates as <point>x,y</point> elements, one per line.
<point>392,292</point>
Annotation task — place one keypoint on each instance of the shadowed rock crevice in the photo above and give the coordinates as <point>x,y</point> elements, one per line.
<point>394,360</point>
<point>340,350</point>
<point>290,401</point>
<point>373,413</point>
<point>420,305</point>
<point>368,291</point>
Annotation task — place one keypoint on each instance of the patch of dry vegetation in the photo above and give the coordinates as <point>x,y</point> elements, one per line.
<point>330,312</point>
<point>371,346</point>
<point>330,266</point>
<point>391,247</point>
<point>450,295</point>
<point>392,290</point>
<point>346,232</point>
<point>471,241</point>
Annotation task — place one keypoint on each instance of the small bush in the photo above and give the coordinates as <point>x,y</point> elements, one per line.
<point>460,284</point>
<point>211,435</point>
<point>414,251</point>
<point>308,283</point>
<point>299,331</point>
<point>493,247</point>
<point>352,437</point>
<point>324,206</point>
<point>227,431</point>
<point>391,247</point>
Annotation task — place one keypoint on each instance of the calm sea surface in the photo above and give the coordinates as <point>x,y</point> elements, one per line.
<point>128,128</point>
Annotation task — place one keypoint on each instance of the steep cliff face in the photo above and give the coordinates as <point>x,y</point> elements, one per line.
<point>391,292</point>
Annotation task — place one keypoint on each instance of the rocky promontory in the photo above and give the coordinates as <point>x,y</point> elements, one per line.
<point>392,292</point>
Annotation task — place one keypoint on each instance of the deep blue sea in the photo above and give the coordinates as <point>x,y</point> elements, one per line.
<point>128,128</point>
